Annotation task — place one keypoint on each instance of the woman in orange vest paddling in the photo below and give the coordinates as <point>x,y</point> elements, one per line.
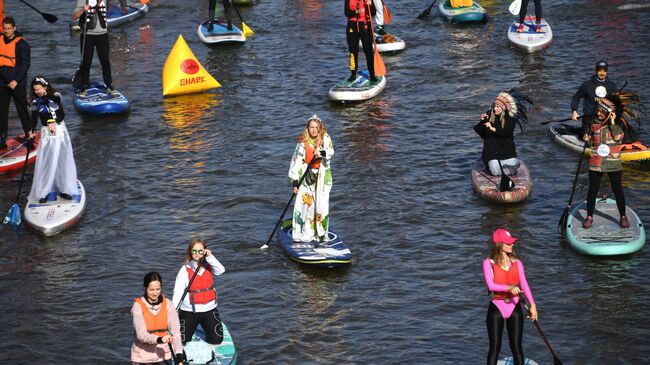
<point>155,325</point>
<point>199,306</point>
<point>506,281</point>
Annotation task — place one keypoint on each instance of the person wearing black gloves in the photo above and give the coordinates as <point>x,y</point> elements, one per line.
<point>311,158</point>
<point>15,57</point>
<point>598,86</point>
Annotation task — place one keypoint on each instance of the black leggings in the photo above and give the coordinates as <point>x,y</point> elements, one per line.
<point>18,94</point>
<point>615,180</point>
<point>354,32</point>
<point>210,321</point>
<point>538,10</point>
<point>515,326</point>
<point>100,42</point>
<point>226,10</point>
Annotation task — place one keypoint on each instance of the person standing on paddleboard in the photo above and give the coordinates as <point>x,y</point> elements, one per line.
<point>94,35</point>
<point>506,281</point>
<point>15,58</point>
<point>55,168</point>
<point>311,158</point>
<point>359,28</point>
<point>226,9</point>
<point>538,15</point>
<point>155,326</point>
<point>598,86</point>
<point>496,128</point>
<point>605,141</point>
<point>199,300</point>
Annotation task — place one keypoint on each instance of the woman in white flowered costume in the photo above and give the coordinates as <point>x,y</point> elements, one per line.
<point>311,210</point>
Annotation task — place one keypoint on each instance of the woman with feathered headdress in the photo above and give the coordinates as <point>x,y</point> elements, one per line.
<point>496,128</point>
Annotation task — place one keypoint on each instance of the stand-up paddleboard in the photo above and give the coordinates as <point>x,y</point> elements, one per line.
<point>329,254</point>
<point>486,186</point>
<point>220,33</point>
<point>566,136</point>
<point>529,40</point>
<point>242,2</point>
<point>12,158</point>
<point>466,14</point>
<point>199,351</point>
<point>359,89</point>
<point>605,237</point>
<point>98,101</point>
<point>511,361</point>
<point>57,214</point>
<point>389,43</point>
<point>116,18</point>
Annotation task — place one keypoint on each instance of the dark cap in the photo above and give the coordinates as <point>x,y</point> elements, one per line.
<point>601,65</point>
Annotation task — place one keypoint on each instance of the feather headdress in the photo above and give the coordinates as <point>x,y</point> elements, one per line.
<point>515,106</point>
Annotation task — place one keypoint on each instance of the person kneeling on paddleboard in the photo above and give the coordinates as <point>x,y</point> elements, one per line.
<point>359,13</point>
<point>155,326</point>
<point>605,142</point>
<point>311,159</point>
<point>195,294</point>
<point>506,282</point>
<point>496,128</point>
<point>226,9</point>
<point>55,169</point>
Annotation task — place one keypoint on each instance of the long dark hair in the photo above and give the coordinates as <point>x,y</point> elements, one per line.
<point>152,276</point>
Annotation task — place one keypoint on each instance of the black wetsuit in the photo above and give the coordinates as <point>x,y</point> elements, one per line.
<point>226,9</point>
<point>587,92</point>
<point>359,29</point>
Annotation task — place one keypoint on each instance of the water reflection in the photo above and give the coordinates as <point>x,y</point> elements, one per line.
<point>186,115</point>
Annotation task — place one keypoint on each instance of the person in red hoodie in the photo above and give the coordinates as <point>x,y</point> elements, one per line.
<point>359,14</point>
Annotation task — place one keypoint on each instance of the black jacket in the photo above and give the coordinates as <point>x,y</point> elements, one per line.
<point>587,91</point>
<point>23,59</point>
<point>499,144</point>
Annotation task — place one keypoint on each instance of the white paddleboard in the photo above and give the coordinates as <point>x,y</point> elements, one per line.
<point>358,90</point>
<point>529,40</point>
<point>388,43</point>
<point>57,214</point>
<point>220,33</point>
<point>510,361</point>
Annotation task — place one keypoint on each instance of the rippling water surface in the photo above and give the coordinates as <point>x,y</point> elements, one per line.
<point>214,165</point>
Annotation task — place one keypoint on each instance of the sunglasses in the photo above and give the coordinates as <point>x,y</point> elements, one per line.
<point>200,252</point>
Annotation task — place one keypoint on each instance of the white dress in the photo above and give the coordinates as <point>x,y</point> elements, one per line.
<point>311,208</point>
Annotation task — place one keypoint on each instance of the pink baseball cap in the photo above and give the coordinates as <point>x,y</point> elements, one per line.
<point>501,235</point>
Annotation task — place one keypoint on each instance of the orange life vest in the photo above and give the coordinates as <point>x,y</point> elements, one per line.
<point>361,17</point>
<point>501,276</point>
<point>8,52</point>
<point>202,289</point>
<point>157,324</point>
<point>310,153</point>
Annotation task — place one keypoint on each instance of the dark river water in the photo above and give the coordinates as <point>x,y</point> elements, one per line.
<point>214,165</point>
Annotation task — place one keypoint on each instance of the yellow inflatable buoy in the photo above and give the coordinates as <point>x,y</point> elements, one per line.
<point>182,72</point>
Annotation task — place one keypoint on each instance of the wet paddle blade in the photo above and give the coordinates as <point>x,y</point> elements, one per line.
<point>506,183</point>
<point>247,31</point>
<point>557,361</point>
<point>425,14</point>
<point>49,17</point>
<point>380,68</point>
<point>561,224</point>
<point>515,7</point>
<point>13,216</point>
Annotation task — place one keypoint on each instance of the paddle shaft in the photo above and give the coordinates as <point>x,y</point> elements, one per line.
<point>187,289</point>
<point>375,52</point>
<point>559,120</point>
<point>22,178</point>
<point>49,17</point>
<point>277,224</point>
<point>427,11</point>
<point>556,360</point>
<point>563,218</point>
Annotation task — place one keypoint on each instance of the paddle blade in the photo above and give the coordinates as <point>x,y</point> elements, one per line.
<point>425,14</point>
<point>561,224</point>
<point>506,183</point>
<point>515,7</point>
<point>49,17</point>
<point>557,361</point>
<point>380,68</point>
<point>247,31</point>
<point>144,2</point>
<point>13,216</point>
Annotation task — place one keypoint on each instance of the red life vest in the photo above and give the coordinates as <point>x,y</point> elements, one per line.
<point>361,17</point>
<point>202,289</point>
<point>310,153</point>
<point>501,276</point>
<point>157,324</point>
<point>8,52</point>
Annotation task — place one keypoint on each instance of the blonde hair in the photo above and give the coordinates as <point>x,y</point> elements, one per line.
<point>322,130</point>
<point>188,254</point>
<point>497,257</point>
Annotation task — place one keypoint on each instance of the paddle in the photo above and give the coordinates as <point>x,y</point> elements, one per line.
<point>247,31</point>
<point>13,215</point>
<point>380,68</point>
<point>558,120</point>
<point>506,183</point>
<point>49,17</point>
<point>425,14</point>
<point>515,7</point>
<point>187,289</point>
<point>265,245</point>
<point>561,224</point>
<point>556,360</point>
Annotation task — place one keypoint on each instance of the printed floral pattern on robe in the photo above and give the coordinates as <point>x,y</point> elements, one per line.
<point>311,208</point>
